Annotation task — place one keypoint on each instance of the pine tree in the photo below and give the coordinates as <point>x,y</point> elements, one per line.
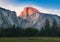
<point>30,32</point>
<point>47,28</point>
<point>41,32</point>
<point>54,28</point>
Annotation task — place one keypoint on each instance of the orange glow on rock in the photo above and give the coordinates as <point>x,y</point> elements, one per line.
<point>29,11</point>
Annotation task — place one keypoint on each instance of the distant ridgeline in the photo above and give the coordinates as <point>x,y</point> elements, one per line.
<point>34,24</point>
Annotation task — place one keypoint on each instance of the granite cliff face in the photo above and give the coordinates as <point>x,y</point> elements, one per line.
<point>30,17</point>
<point>36,19</point>
<point>7,18</point>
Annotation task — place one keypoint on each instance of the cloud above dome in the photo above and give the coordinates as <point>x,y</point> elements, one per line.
<point>8,5</point>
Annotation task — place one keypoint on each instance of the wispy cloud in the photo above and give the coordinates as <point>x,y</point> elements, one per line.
<point>50,11</point>
<point>18,9</point>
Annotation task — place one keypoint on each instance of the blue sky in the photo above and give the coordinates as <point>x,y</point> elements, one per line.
<point>43,3</point>
<point>53,6</point>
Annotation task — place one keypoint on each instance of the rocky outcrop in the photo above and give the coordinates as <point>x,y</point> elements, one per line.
<point>7,18</point>
<point>28,11</point>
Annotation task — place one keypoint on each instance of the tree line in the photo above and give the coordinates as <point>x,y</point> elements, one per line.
<point>47,30</point>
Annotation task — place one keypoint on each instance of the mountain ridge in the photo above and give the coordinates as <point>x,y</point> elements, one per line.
<point>36,20</point>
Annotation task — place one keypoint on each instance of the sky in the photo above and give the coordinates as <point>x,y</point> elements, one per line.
<point>45,6</point>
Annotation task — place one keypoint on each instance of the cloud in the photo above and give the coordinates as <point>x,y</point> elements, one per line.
<point>4,4</point>
<point>19,9</point>
<point>50,11</point>
<point>54,11</point>
<point>1,0</point>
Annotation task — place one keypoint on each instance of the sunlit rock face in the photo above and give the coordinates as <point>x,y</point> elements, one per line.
<point>28,11</point>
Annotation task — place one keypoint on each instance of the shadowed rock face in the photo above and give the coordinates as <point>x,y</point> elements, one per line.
<point>28,11</point>
<point>7,18</point>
